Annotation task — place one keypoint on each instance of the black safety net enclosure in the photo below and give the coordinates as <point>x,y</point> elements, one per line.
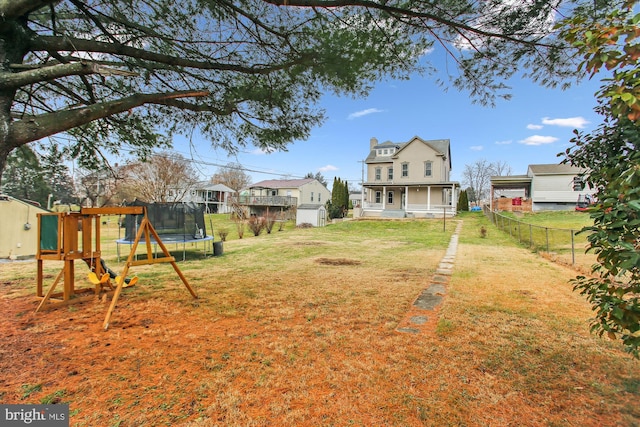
<point>174,222</point>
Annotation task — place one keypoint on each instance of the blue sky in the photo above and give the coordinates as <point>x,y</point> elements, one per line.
<point>531,128</point>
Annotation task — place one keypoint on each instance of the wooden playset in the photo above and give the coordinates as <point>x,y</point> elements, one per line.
<point>71,236</point>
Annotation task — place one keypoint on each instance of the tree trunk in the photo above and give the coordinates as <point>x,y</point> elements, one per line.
<point>14,39</point>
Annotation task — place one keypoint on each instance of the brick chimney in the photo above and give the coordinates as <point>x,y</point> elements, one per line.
<point>373,143</point>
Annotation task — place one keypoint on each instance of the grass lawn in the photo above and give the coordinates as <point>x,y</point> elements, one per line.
<point>571,220</point>
<point>298,328</point>
<point>553,234</point>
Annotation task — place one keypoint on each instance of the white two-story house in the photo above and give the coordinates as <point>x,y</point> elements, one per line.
<point>409,179</point>
<point>303,199</point>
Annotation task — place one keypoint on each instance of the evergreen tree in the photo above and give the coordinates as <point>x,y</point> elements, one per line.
<point>112,73</point>
<point>57,176</point>
<point>22,177</point>
<point>318,177</point>
<point>346,195</point>
<point>463,202</point>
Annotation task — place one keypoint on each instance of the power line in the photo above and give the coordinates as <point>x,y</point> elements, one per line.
<point>205,162</point>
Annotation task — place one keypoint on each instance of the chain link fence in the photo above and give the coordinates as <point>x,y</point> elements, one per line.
<point>559,244</point>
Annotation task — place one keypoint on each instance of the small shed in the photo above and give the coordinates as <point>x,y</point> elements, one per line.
<point>18,228</point>
<point>315,215</point>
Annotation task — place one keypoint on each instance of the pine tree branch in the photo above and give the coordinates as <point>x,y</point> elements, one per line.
<point>32,129</point>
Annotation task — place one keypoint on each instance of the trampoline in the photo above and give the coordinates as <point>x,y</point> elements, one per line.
<point>175,223</point>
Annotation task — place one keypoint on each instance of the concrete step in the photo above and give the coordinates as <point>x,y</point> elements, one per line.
<point>393,213</point>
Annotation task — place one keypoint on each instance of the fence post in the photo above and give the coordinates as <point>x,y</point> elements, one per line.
<point>547,233</point>
<point>573,250</point>
<point>530,236</point>
<point>519,232</point>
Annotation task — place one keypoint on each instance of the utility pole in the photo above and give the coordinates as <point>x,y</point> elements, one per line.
<point>362,186</point>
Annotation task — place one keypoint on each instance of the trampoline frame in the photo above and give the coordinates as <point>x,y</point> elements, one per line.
<point>168,239</point>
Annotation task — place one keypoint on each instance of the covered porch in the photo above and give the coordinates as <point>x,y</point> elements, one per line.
<point>511,193</point>
<point>410,201</point>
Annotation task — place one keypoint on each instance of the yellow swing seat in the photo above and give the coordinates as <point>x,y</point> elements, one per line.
<point>132,282</point>
<point>98,281</point>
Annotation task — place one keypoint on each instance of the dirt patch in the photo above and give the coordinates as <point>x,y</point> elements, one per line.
<point>338,261</point>
<point>311,243</point>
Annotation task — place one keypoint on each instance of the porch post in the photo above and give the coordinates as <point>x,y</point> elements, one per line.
<point>454,199</point>
<point>406,198</point>
<point>429,198</point>
<point>384,197</point>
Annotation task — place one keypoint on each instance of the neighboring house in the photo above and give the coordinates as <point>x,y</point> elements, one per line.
<point>214,197</point>
<point>284,197</point>
<point>545,187</point>
<point>410,179</point>
<point>355,198</point>
<point>18,228</point>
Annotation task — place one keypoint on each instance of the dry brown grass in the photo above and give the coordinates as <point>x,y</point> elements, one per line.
<point>299,329</point>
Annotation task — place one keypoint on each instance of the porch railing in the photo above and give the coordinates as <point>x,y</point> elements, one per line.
<point>264,200</point>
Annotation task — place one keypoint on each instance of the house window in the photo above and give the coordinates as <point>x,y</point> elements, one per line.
<point>428,168</point>
<point>378,174</point>
<point>578,183</point>
<point>319,197</point>
<point>405,170</point>
<point>312,196</point>
<point>386,151</point>
<point>390,174</point>
<point>378,197</point>
<point>390,197</point>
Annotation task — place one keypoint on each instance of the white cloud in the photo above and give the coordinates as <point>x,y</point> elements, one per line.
<point>534,127</point>
<point>364,113</point>
<point>538,140</point>
<point>260,151</point>
<point>476,148</point>
<point>507,142</point>
<point>572,122</point>
<point>327,168</point>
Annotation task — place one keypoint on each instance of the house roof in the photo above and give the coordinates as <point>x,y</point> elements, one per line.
<point>309,206</point>
<point>440,146</point>
<point>554,169</point>
<point>511,182</point>
<point>282,183</point>
<point>214,187</point>
<point>30,203</point>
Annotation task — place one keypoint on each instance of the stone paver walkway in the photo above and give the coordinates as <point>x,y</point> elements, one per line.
<point>425,306</point>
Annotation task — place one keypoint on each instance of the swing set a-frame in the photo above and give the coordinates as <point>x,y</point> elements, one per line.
<point>71,236</point>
